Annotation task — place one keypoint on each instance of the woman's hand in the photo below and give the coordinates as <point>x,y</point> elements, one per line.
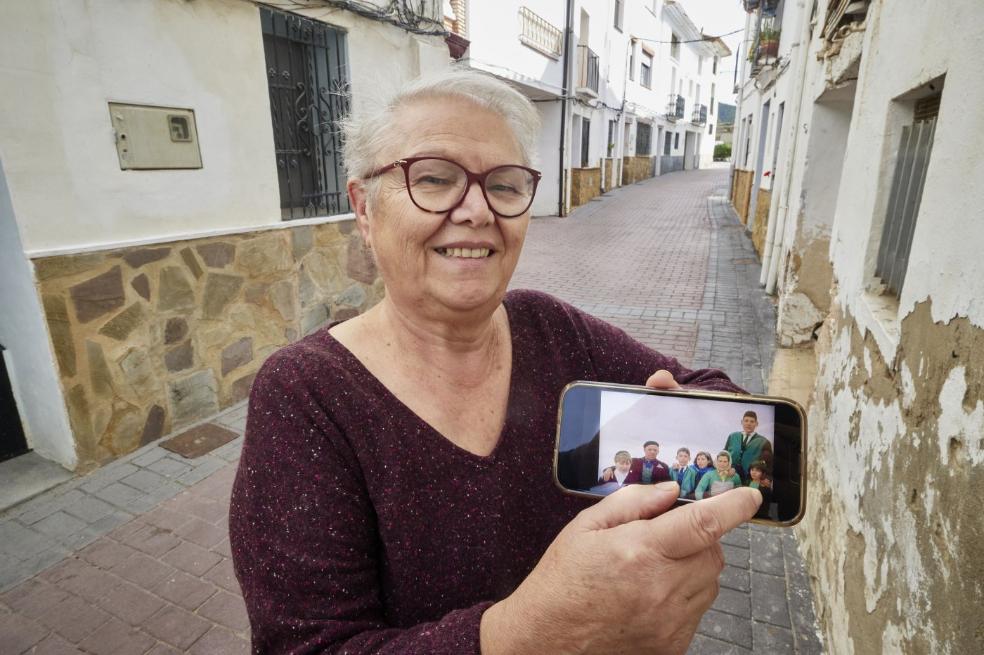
<point>662,379</point>
<point>618,579</point>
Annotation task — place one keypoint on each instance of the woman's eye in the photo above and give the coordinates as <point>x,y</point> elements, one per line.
<point>503,188</point>
<point>432,180</point>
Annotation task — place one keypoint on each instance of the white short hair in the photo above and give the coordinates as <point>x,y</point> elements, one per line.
<point>368,133</point>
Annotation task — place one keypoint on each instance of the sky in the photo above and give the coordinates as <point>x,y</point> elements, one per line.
<point>718,17</point>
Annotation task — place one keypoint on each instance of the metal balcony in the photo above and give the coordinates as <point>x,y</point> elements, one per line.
<point>699,117</point>
<point>675,107</point>
<point>588,70</point>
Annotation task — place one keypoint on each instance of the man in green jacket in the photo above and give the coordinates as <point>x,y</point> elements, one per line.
<point>748,446</point>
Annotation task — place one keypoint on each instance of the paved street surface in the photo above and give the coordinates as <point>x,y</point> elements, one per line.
<point>134,558</point>
<point>667,261</point>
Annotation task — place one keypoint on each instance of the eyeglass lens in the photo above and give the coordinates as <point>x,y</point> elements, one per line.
<point>437,185</point>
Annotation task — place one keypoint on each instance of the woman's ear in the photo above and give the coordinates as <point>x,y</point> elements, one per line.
<point>359,200</point>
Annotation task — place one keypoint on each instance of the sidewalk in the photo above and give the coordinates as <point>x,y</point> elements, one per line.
<point>134,558</point>
<point>667,260</point>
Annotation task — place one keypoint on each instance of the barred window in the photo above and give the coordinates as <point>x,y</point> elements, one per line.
<point>308,82</point>
<point>644,138</point>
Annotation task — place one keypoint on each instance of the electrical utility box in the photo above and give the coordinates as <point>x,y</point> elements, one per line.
<point>149,138</point>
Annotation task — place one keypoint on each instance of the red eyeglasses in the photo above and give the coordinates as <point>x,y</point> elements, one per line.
<point>438,185</point>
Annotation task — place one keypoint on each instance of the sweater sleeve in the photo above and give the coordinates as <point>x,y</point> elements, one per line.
<point>304,534</point>
<point>620,358</point>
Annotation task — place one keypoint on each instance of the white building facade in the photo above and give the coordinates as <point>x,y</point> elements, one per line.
<point>602,73</point>
<point>166,171</point>
<point>868,118</point>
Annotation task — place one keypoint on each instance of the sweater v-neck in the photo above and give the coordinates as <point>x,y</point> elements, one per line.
<point>386,396</point>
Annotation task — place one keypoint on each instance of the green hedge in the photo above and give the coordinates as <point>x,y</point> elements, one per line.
<point>722,152</point>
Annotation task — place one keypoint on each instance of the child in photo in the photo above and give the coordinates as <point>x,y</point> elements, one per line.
<point>680,470</point>
<point>721,479</point>
<point>702,465</point>
<point>758,474</point>
<point>623,463</point>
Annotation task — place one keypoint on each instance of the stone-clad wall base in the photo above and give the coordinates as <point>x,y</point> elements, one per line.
<point>149,339</point>
<point>610,181</point>
<point>635,169</point>
<point>585,185</point>
<point>762,203</point>
<point>741,193</point>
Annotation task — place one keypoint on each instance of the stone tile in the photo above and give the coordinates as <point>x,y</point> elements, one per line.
<point>130,604</point>
<point>90,509</point>
<point>176,627</point>
<point>119,495</point>
<point>137,258</point>
<point>727,627</point>
<point>239,353</point>
<point>769,599</point>
<point>106,553</point>
<point>735,555</point>
<point>733,602</point>
<point>148,456</point>
<point>772,639</point>
<point>117,638</point>
<point>224,576</point>
<point>163,649</point>
<point>81,579</point>
<point>102,478</point>
<point>142,570</point>
<point>738,537</point>
<point>154,425</point>
<point>55,645</point>
<point>74,619</point>
<point>194,397</point>
<point>152,540</point>
<point>220,642</point>
<point>144,480</point>
<point>223,548</point>
<point>123,324</point>
<point>220,290</point>
<point>59,525</point>
<point>191,558</point>
<point>45,505</point>
<point>166,519</point>
<point>141,285</point>
<point>98,296</point>
<point>34,564</point>
<point>736,578</point>
<point>203,468</point>
<point>217,255</point>
<point>185,590</point>
<point>17,540</point>
<point>766,553</point>
<point>226,609</point>
<point>34,598</point>
<point>703,645</point>
<point>169,467</point>
<point>202,533</point>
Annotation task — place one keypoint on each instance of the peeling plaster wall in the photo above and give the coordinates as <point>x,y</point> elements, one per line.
<point>893,535</point>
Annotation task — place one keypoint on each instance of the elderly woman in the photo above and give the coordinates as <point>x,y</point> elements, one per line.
<point>395,491</point>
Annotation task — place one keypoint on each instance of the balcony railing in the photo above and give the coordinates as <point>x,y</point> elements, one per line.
<point>699,117</point>
<point>539,34</point>
<point>588,69</point>
<point>675,107</point>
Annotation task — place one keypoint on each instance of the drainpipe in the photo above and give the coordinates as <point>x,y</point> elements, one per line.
<point>568,28</point>
<point>774,237</point>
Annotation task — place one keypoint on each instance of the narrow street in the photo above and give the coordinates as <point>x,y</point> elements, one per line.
<point>668,261</point>
<point>134,558</point>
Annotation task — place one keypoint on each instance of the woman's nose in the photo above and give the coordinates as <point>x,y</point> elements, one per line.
<point>473,207</point>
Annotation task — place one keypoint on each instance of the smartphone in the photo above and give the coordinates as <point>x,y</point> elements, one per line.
<point>612,435</point>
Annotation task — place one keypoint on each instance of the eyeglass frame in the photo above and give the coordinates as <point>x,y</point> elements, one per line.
<point>470,178</point>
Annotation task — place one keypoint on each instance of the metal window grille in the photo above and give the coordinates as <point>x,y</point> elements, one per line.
<point>308,81</point>
<point>646,75</point>
<point>611,137</point>
<point>675,46</point>
<point>644,138</point>
<point>539,34</point>
<point>903,202</point>
<point>589,71</point>
<point>618,14</point>
<point>668,143</point>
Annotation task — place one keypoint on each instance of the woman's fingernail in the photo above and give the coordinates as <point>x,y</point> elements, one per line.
<point>667,486</point>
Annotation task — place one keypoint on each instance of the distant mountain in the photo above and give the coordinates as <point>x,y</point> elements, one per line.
<point>726,113</point>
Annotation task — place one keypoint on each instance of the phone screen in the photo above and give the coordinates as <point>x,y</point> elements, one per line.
<point>610,436</point>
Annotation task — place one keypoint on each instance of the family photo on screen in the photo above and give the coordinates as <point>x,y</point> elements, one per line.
<point>707,453</point>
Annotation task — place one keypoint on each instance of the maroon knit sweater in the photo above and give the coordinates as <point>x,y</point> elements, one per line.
<point>357,528</point>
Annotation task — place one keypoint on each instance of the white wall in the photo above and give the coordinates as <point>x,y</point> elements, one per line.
<point>546,202</point>
<point>62,61</point>
<point>30,362</point>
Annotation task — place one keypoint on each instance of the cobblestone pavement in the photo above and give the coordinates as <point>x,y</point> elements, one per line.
<point>667,261</point>
<point>134,558</point>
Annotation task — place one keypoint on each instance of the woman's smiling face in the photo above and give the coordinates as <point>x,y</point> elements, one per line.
<point>437,263</point>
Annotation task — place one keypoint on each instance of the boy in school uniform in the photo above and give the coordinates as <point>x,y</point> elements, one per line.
<point>748,446</point>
